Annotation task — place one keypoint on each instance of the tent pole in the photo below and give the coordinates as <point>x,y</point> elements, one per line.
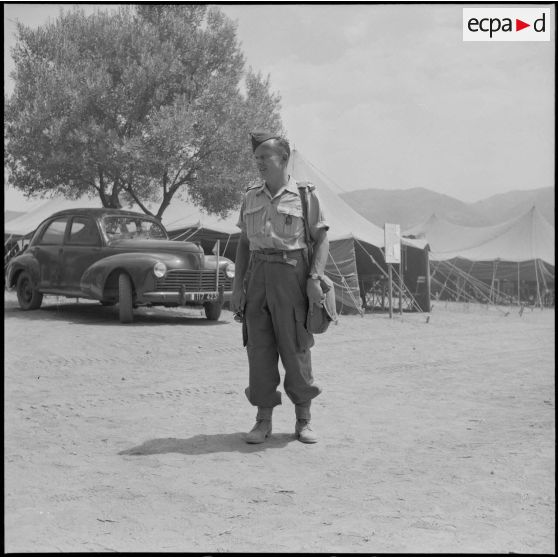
<point>491,296</point>
<point>427,277</point>
<point>383,295</point>
<point>518,287</point>
<point>538,286</point>
<point>544,283</point>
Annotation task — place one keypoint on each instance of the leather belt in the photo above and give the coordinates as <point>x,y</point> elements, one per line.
<point>276,256</point>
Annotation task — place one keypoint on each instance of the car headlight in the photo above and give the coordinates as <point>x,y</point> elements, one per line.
<point>159,269</point>
<point>229,270</point>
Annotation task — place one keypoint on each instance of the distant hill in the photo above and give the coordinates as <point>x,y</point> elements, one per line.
<point>512,204</point>
<point>413,206</point>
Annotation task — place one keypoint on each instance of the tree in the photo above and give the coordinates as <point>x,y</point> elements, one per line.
<point>140,105</point>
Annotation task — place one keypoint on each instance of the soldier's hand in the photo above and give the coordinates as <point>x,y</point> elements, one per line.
<point>238,300</point>
<point>314,292</point>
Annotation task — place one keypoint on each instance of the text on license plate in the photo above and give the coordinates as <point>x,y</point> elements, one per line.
<point>195,296</point>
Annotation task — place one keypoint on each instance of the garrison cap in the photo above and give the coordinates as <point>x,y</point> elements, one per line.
<point>259,136</point>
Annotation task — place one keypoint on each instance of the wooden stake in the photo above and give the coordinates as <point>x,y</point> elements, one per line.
<point>390,286</point>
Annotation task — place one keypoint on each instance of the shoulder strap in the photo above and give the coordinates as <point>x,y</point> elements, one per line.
<point>302,191</point>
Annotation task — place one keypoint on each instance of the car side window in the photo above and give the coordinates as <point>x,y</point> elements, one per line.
<point>84,232</point>
<point>54,232</point>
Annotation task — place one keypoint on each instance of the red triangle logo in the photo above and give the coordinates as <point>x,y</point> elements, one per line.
<point>519,25</point>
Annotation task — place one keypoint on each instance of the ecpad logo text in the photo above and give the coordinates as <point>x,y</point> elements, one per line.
<point>506,24</point>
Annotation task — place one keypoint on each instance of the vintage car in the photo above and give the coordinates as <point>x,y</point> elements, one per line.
<point>117,256</point>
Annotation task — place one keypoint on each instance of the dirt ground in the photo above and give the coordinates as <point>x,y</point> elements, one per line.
<point>435,436</point>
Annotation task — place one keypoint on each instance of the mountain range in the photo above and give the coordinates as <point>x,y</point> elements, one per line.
<point>413,206</point>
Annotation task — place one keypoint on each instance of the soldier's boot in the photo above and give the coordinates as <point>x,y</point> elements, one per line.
<point>303,431</point>
<point>262,428</point>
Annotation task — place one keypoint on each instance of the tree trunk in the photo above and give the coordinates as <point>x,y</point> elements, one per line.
<point>114,202</point>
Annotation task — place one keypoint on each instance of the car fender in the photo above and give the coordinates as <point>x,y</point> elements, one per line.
<point>24,262</point>
<point>211,262</point>
<point>138,265</point>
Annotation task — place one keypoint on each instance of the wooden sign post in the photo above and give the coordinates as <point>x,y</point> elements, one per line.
<point>401,289</point>
<point>390,286</point>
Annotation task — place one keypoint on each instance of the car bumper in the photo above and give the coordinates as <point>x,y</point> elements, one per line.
<point>183,298</point>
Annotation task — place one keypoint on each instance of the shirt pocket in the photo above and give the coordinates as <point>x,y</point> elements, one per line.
<point>290,217</point>
<point>255,220</point>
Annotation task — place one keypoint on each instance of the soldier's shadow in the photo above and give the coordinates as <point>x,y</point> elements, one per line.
<point>208,443</point>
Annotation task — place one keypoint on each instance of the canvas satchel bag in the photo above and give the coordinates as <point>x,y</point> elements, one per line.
<point>319,317</point>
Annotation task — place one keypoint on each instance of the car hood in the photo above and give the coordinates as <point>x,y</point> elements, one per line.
<point>157,246</point>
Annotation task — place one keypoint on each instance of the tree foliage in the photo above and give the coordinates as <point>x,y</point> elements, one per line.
<point>137,105</point>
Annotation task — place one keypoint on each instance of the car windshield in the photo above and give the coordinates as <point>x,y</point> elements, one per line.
<point>129,226</point>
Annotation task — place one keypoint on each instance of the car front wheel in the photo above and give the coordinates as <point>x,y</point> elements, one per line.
<point>212,310</point>
<point>125,299</point>
<point>27,296</point>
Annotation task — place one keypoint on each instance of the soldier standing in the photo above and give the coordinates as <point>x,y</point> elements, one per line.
<point>274,283</point>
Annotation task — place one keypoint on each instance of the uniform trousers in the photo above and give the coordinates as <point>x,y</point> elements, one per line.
<point>274,326</point>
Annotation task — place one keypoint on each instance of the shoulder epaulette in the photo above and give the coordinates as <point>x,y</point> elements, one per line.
<point>305,184</point>
<point>252,187</point>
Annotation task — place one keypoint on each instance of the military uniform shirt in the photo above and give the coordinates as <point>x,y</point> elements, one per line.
<point>276,222</point>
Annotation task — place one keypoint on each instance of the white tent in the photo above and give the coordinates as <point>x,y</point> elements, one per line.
<point>493,262</point>
<point>25,224</point>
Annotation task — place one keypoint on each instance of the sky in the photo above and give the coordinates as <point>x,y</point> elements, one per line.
<point>389,96</point>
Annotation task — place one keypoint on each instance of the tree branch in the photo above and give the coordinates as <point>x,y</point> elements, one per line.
<point>172,190</point>
<point>197,157</point>
<point>165,182</point>
<point>128,188</point>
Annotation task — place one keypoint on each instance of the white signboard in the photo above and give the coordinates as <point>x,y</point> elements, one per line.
<point>392,238</point>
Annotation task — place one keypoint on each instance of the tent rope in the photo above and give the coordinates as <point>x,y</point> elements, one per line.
<point>468,298</point>
<point>405,292</point>
<point>445,283</point>
<point>471,281</point>
<point>372,258</point>
<point>347,288</point>
<point>188,232</point>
